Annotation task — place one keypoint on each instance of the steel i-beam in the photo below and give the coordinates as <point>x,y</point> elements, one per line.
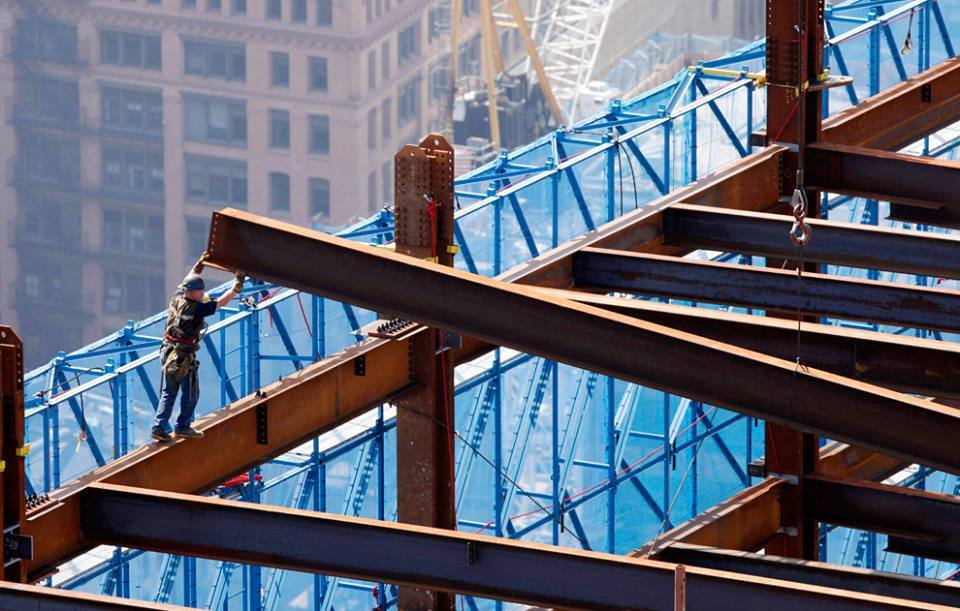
<point>587,337</point>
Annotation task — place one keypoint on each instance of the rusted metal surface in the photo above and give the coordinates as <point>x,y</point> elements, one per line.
<point>906,364</point>
<point>898,115</point>
<point>21,597</point>
<point>918,522</point>
<point>606,342</point>
<point>767,289</point>
<point>303,405</point>
<point>817,573</point>
<point>925,182</point>
<point>746,521</point>
<point>855,245</point>
<point>424,229</point>
<point>12,447</point>
<point>479,565</point>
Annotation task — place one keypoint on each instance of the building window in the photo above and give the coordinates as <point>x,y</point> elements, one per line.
<point>387,179</point>
<point>47,158</point>
<point>47,41</point>
<point>50,222</point>
<point>299,11</point>
<point>318,74</point>
<point>132,293</point>
<point>280,69</point>
<point>133,231</point>
<point>48,98</point>
<point>408,102</point>
<point>385,59</point>
<point>279,191</point>
<point>214,6</point>
<point>408,43</point>
<point>131,109</point>
<point>437,22</point>
<point>216,120</point>
<point>198,232</point>
<point>372,129</point>
<point>372,200</point>
<point>372,69</point>
<point>132,169</point>
<point>319,197</point>
<point>274,9</point>
<point>440,80</point>
<point>387,118</point>
<point>279,129</point>
<point>51,282</point>
<point>239,7</point>
<point>188,3</point>
<point>216,181</point>
<point>217,60</point>
<point>325,12</point>
<point>320,134</point>
<point>130,49</point>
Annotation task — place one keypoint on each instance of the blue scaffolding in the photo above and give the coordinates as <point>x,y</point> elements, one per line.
<point>549,453</point>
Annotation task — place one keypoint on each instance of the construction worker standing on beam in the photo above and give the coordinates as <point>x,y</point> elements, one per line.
<point>178,352</point>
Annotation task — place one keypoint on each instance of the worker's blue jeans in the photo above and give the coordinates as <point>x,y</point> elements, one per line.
<point>189,389</point>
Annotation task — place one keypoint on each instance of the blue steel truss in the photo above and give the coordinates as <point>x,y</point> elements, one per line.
<point>549,453</point>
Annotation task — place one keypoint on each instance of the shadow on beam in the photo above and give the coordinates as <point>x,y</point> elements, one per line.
<point>25,597</point>
<point>523,572</point>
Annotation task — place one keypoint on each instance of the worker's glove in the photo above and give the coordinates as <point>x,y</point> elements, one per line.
<point>238,285</point>
<point>198,266</point>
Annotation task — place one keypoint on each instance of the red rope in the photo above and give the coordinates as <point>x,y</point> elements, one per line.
<point>432,211</point>
<point>304,313</point>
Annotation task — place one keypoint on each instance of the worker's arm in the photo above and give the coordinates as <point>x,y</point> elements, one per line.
<point>233,292</point>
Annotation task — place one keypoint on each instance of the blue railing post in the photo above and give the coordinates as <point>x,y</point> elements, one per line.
<point>873,50</point>
<point>610,452</point>
<point>667,132</point>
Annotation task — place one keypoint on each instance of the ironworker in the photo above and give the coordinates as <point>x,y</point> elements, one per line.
<point>178,351</point>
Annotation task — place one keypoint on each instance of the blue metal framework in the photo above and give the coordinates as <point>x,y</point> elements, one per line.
<point>550,453</point>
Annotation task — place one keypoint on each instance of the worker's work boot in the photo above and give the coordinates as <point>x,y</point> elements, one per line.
<point>189,432</point>
<point>160,435</point>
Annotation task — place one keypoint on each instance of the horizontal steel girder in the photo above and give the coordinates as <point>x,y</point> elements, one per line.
<point>906,364</point>
<point>29,598</point>
<point>584,336</point>
<point>918,522</point>
<point>817,573</point>
<point>900,114</point>
<point>403,554</point>
<point>895,177</point>
<point>745,521</point>
<point>754,233</point>
<point>767,289</point>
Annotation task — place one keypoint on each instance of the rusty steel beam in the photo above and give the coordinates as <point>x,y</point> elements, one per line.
<point>745,521</point>
<point>844,461</point>
<point>817,573</point>
<point>423,226</point>
<point>316,399</point>
<point>851,244</point>
<point>918,522</point>
<point>13,451</point>
<point>767,289</point>
<point>35,598</point>
<point>901,114</point>
<point>425,557</point>
<point>925,182</point>
<point>906,364</point>
<point>605,342</point>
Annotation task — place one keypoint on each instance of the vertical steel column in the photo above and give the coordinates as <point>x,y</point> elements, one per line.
<point>253,573</point>
<point>319,503</point>
<point>555,452</point>
<point>424,203</point>
<point>795,38</point>
<point>13,451</point>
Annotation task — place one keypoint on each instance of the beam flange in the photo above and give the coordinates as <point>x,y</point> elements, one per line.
<point>925,182</point>
<point>427,557</point>
<point>816,573</point>
<point>583,336</point>
<point>918,522</point>
<point>907,364</point>
<point>756,233</point>
<point>767,289</point>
